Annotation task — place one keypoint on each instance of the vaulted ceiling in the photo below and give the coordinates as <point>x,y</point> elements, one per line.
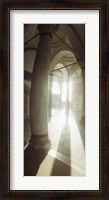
<point>68,45</point>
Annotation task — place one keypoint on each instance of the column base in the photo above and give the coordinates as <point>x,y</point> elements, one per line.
<point>40,142</point>
<point>35,153</point>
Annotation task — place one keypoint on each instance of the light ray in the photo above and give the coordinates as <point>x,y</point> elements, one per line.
<point>77,148</point>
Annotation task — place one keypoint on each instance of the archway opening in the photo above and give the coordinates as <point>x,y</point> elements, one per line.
<point>66,98</point>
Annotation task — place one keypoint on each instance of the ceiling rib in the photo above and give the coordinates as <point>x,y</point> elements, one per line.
<point>31,38</point>
<point>58,38</point>
<point>64,66</point>
<point>67,45</point>
<point>51,73</point>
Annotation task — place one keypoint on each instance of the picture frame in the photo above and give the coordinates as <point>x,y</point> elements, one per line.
<point>102,193</point>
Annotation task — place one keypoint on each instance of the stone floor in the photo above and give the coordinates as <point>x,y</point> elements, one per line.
<point>67,137</point>
<point>52,166</point>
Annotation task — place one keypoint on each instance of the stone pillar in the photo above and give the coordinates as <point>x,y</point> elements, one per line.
<point>60,86</point>
<point>83,107</point>
<point>82,66</point>
<point>39,143</point>
<point>67,93</point>
<point>50,95</point>
<point>26,101</point>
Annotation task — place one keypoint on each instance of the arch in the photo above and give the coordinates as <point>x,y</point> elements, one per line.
<point>57,57</point>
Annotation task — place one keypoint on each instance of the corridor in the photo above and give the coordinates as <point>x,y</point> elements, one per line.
<point>54,100</point>
<point>67,156</point>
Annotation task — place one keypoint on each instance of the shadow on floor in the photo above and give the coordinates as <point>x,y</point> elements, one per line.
<point>32,160</point>
<point>60,169</point>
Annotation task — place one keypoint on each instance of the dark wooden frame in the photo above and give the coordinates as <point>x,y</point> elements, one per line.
<point>103,8</point>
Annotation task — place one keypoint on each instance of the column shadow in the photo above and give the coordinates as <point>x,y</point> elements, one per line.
<point>32,160</point>
<point>81,126</point>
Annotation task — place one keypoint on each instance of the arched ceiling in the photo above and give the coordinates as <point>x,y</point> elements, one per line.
<point>69,39</point>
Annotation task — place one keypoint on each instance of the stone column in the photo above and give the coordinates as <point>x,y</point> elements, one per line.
<point>82,66</point>
<point>67,93</point>
<point>39,143</point>
<point>60,86</point>
<point>50,95</point>
<point>83,107</point>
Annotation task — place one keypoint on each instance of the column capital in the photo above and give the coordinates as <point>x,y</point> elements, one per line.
<point>47,29</point>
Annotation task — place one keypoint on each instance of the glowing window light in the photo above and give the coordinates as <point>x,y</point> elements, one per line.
<point>70,91</point>
<point>55,88</point>
<point>64,92</point>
